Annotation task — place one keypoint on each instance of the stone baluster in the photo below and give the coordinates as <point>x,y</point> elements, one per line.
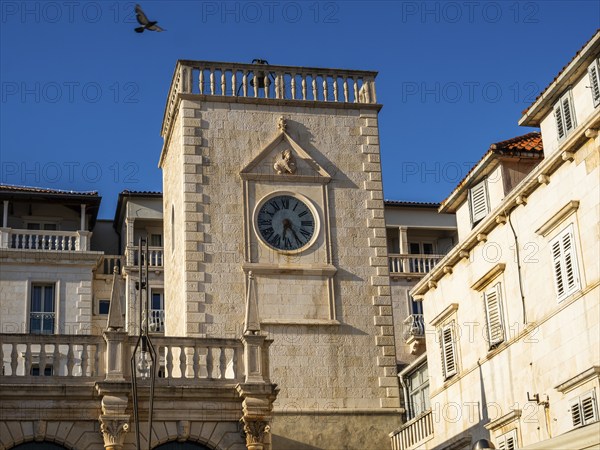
<point>255,83</point>
<point>335,89</point>
<point>84,360</point>
<point>267,84</point>
<point>196,362</point>
<point>182,361</point>
<point>14,360</point>
<point>201,81</point>
<point>277,86</point>
<point>245,83</point>
<point>346,89</point>
<point>355,80</point>
<point>222,363</point>
<point>28,359</point>
<point>56,360</point>
<point>325,89</point>
<point>235,363</point>
<point>169,359</point>
<point>304,86</point>
<point>212,81</point>
<point>42,359</point>
<point>223,83</point>
<point>209,362</point>
<point>233,82</point>
<point>314,88</point>
<point>293,86</point>
<point>70,360</point>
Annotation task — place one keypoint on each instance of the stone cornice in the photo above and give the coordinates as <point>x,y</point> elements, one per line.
<point>557,218</point>
<point>488,277</point>
<point>512,416</point>
<point>451,308</point>
<point>579,379</point>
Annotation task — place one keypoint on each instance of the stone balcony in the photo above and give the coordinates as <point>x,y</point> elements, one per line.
<point>60,241</point>
<point>268,83</point>
<point>411,266</point>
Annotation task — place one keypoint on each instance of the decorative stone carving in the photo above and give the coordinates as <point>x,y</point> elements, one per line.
<point>113,430</point>
<point>183,430</point>
<point>285,163</point>
<point>255,431</point>
<point>282,124</point>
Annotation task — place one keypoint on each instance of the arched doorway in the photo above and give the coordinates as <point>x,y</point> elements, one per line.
<point>39,446</point>
<point>181,446</point>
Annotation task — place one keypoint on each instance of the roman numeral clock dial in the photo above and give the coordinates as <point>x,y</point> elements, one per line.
<point>286,223</point>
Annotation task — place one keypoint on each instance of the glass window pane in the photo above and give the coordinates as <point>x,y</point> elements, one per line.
<point>48,324</point>
<point>427,248</point>
<point>156,240</point>
<point>35,325</point>
<point>103,306</point>
<point>36,298</point>
<point>156,300</point>
<point>414,248</point>
<point>49,298</point>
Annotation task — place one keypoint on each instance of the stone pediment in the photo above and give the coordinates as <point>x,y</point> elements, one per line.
<point>283,159</point>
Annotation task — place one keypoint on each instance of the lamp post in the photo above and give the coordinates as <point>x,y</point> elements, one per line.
<point>143,357</point>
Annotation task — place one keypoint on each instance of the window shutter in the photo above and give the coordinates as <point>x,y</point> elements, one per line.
<point>571,277</point>
<point>493,313</point>
<point>448,351</point>
<point>478,202</point>
<point>560,127</point>
<point>568,112</point>
<point>576,413</point>
<point>508,441</point>
<point>594,82</point>
<point>557,262</point>
<point>564,261</point>
<point>589,412</point>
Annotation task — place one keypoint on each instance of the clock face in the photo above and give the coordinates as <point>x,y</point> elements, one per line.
<point>286,223</point>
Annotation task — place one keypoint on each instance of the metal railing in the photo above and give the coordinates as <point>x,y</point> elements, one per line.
<point>413,432</point>
<point>412,264</point>
<point>414,326</point>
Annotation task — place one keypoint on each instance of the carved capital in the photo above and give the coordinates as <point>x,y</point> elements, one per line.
<point>256,433</point>
<point>113,431</point>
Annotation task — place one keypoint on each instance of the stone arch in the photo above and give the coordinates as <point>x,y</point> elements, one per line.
<point>176,445</point>
<point>33,445</point>
<point>68,435</point>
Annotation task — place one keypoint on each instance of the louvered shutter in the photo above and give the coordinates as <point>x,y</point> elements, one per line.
<point>568,112</point>
<point>493,312</point>
<point>508,441</point>
<point>560,126</point>
<point>564,262</point>
<point>478,202</point>
<point>589,412</point>
<point>594,82</point>
<point>558,268</point>
<point>448,351</point>
<point>576,413</point>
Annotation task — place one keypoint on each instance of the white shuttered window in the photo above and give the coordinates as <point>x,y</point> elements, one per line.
<point>508,441</point>
<point>564,263</point>
<point>448,350</point>
<point>493,314</point>
<point>478,202</point>
<point>584,409</point>
<point>564,114</point>
<point>594,74</point>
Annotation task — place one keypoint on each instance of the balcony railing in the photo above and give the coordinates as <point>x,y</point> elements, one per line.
<point>77,359</point>
<point>412,265</point>
<point>414,327</point>
<point>156,320</point>
<point>108,263</point>
<point>269,82</point>
<point>155,256</point>
<point>413,433</point>
<point>44,240</point>
<point>28,358</point>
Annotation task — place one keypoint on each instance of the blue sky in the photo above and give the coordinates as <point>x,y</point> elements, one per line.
<point>83,95</point>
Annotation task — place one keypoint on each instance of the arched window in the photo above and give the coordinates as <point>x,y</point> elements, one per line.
<point>181,446</point>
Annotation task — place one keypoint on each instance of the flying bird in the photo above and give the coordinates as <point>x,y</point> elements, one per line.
<point>143,20</point>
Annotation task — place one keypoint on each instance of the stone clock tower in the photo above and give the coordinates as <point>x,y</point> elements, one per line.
<point>274,171</point>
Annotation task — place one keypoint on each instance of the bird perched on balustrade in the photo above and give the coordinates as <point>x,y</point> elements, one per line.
<point>150,25</point>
